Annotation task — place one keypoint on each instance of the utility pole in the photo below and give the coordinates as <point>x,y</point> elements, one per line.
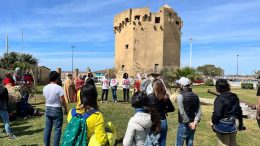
<point>22,40</point>
<point>72,57</point>
<point>190,52</point>
<point>237,65</point>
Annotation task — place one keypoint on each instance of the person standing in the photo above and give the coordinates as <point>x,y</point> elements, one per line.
<point>8,80</point>
<point>114,84</point>
<point>105,88</point>
<point>226,110</point>
<point>161,101</point>
<point>69,89</point>
<point>189,113</point>
<point>258,104</point>
<point>145,120</point>
<point>54,96</point>
<point>4,98</point>
<point>126,86</point>
<point>17,76</point>
<point>137,83</point>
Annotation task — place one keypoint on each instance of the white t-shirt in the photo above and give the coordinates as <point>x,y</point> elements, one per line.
<point>52,94</point>
<point>126,83</point>
<point>105,83</point>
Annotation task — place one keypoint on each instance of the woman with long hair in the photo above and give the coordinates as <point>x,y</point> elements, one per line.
<point>161,101</point>
<point>145,120</point>
<point>95,122</point>
<point>126,86</point>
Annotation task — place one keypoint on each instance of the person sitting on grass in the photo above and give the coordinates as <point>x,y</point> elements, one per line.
<point>95,122</point>
<point>4,98</point>
<point>146,119</point>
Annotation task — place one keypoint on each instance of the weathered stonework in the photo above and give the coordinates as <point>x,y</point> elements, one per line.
<point>146,41</point>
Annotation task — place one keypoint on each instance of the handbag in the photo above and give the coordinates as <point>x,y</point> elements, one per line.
<point>226,125</point>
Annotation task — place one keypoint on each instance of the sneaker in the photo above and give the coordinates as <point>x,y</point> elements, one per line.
<point>101,101</point>
<point>106,101</point>
<point>127,102</point>
<point>115,101</point>
<point>11,136</point>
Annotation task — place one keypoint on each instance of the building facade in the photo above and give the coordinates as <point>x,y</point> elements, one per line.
<point>146,42</point>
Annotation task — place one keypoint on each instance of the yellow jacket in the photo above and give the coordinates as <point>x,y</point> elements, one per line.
<point>95,125</point>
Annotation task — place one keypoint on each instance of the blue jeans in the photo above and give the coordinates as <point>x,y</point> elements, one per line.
<point>164,129</point>
<point>114,93</point>
<point>53,117</point>
<point>184,133</point>
<point>5,117</point>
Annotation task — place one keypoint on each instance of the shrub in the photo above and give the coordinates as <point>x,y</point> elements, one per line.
<point>209,82</point>
<point>247,85</point>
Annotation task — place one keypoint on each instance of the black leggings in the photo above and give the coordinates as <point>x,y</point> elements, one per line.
<point>126,94</point>
<point>104,91</point>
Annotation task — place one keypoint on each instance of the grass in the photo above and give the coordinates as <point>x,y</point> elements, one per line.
<point>248,95</point>
<point>30,131</point>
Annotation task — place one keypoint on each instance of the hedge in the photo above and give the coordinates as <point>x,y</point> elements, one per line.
<point>247,85</point>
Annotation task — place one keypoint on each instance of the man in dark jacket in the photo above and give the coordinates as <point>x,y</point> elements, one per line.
<point>226,106</point>
<point>4,98</point>
<point>189,113</point>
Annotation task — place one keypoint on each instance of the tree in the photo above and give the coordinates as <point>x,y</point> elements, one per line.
<point>13,59</point>
<point>171,74</point>
<point>210,71</point>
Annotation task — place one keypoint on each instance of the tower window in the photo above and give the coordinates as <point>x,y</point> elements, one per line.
<point>126,46</point>
<point>177,23</point>
<point>156,66</point>
<point>123,67</point>
<point>157,19</point>
<point>137,17</point>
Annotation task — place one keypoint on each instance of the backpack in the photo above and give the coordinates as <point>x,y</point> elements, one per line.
<point>152,139</point>
<point>75,133</point>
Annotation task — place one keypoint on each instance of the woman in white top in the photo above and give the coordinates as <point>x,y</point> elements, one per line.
<point>114,84</point>
<point>105,88</point>
<point>126,85</point>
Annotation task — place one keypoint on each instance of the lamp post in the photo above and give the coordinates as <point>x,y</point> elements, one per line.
<point>237,66</point>
<point>190,51</point>
<point>72,61</point>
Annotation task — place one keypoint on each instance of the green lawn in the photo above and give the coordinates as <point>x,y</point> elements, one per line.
<point>30,131</point>
<point>248,95</point>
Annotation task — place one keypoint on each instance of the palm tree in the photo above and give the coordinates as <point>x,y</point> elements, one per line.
<point>170,75</point>
<point>12,60</point>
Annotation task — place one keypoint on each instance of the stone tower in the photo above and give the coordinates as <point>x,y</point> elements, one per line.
<point>146,41</point>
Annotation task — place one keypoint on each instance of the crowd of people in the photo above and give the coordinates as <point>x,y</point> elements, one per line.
<point>15,91</point>
<point>151,101</point>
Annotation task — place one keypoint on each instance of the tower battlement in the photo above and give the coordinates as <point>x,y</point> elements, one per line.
<point>147,41</point>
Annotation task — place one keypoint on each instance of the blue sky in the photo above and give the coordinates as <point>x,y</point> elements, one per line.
<point>221,29</point>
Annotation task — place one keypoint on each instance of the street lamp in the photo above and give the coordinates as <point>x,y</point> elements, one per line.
<point>237,65</point>
<point>190,51</point>
<point>72,55</point>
